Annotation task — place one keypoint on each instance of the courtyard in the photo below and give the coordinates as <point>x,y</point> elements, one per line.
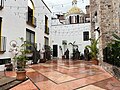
<point>66,75</point>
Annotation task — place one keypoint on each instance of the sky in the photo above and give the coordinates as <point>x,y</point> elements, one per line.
<point>62,6</point>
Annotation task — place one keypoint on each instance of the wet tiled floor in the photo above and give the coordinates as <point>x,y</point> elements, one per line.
<point>67,75</point>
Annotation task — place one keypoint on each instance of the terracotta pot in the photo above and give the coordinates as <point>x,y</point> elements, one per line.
<point>42,60</point>
<point>21,75</point>
<point>95,61</point>
<point>63,57</point>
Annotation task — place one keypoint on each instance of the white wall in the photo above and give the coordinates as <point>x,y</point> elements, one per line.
<point>14,22</point>
<point>71,33</point>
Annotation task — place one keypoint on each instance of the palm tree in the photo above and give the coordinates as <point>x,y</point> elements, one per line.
<point>73,45</point>
<point>93,48</point>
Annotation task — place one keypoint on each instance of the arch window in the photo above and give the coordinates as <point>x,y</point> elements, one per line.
<point>70,20</point>
<point>77,18</point>
<point>2,39</point>
<point>31,20</point>
<point>1,4</point>
<point>46,25</point>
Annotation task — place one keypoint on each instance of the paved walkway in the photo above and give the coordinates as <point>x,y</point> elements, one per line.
<point>67,75</point>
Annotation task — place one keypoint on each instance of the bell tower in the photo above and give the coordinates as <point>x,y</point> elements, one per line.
<point>74,3</point>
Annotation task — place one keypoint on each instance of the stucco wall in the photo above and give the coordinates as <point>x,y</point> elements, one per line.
<point>14,22</point>
<point>71,33</point>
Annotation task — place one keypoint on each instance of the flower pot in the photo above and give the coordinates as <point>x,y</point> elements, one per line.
<point>21,75</point>
<point>95,61</point>
<point>63,57</point>
<point>42,60</point>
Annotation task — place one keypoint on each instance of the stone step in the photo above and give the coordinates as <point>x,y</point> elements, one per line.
<point>4,80</point>
<point>7,82</point>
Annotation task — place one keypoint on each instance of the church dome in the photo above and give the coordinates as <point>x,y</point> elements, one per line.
<point>74,10</point>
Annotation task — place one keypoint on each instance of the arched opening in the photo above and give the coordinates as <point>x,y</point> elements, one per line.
<point>70,19</point>
<point>31,4</point>
<point>77,18</point>
<point>31,20</point>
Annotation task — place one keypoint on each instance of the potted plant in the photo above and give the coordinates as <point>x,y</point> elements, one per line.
<point>63,56</point>
<point>74,46</point>
<point>113,57</point>
<point>21,59</point>
<point>93,50</point>
<point>64,43</point>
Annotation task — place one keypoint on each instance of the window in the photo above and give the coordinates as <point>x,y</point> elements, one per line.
<point>1,4</point>
<point>85,36</point>
<point>2,39</point>
<point>70,19</point>
<point>0,33</point>
<point>77,18</point>
<point>31,20</point>
<point>46,43</point>
<point>46,25</point>
<point>30,37</point>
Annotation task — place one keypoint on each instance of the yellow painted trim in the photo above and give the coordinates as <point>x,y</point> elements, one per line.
<point>1,29</point>
<point>47,24</point>
<point>33,11</point>
<point>35,41</point>
<point>32,4</point>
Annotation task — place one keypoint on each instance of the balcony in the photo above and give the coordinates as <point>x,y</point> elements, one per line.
<point>46,29</point>
<point>1,4</point>
<point>31,20</point>
<point>2,44</point>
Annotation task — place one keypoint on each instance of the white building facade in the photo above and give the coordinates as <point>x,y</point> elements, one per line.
<point>30,19</point>
<point>72,27</point>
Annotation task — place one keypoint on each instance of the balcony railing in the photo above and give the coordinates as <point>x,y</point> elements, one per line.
<point>46,29</point>
<point>2,44</point>
<point>1,4</point>
<point>31,20</point>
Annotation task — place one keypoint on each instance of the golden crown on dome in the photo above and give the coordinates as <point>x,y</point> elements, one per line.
<point>74,9</point>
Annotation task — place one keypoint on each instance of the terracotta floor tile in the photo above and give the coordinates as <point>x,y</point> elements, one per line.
<point>36,77</point>
<point>45,70</point>
<point>100,77</point>
<point>47,65</point>
<point>27,85</point>
<point>47,85</point>
<point>10,73</point>
<point>30,70</point>
<point>68,67</point>
<point>67,75</point>
<point>75,84</point>
<point>90,87</point>
<point>109,84</point>
<point>58,77</point>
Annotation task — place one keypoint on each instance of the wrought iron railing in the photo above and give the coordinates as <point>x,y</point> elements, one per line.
<point>31,20</point>
<point>3,43</point>
<point>46,29</point>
